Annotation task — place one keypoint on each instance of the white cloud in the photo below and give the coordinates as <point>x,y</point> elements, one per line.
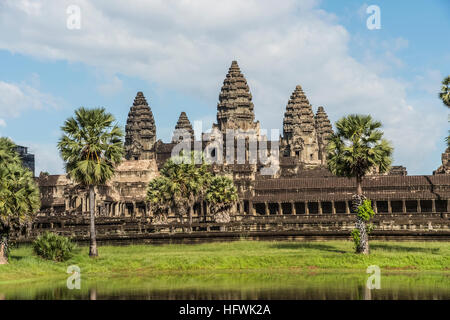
<point>188,45</point>
<point>18,98</point>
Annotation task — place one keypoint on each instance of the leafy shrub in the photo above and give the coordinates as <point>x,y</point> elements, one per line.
<point>356,236</point>
<point>51,246</point>
<point>365,210</point>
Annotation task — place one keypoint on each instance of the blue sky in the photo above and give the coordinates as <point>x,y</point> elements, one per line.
<point>178,53</point>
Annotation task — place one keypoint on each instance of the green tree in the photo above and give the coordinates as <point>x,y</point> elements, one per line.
<point>19,195</point>
<point>91,147</point>
<point>183,182</point>
<point>444,95</point>
<point>160,197</point>
<point>354,150</point>
<point>221,197</point>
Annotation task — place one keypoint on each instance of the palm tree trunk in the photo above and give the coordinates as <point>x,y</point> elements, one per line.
<point>363,236</point>
<point>360,223</point>
<point>359,185</point>
<point>4,247</point>
<point>191,209</point>
<point>93,241</point>
<point>4,242</point>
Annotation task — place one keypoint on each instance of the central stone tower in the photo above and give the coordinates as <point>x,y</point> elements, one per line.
<point>235,107</point>
<point>140,131</point>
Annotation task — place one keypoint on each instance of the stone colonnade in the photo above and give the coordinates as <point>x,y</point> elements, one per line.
<point>249,207</point>
<point>344,207</point>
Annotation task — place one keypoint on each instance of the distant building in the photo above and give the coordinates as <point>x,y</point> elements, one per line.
<point>27,158</point>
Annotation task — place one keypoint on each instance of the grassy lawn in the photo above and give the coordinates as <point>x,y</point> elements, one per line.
<point>249,256</point>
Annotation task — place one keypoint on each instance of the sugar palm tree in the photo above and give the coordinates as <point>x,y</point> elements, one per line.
<point>445,91</point>
<point>19,195</point>
<point>444,95</point>
<point>183,182</point>
<point>189,177</point>
<point>221,196</point>
<point>356,148</point>
<point>160,193</point>
<point>91,147</point>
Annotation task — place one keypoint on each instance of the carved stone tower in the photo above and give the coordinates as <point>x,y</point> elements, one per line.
<point>183,128</point>
<point>299,131</point>
<point>235,107</point>
<point>140,131</point>
<point>324,131</point>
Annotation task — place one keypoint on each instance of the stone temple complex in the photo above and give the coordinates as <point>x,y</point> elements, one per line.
<point>301,198</point>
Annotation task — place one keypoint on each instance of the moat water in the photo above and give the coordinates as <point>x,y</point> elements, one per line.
<point>248,286</point>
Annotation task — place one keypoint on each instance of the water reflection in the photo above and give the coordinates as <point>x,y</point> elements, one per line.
<point>251,286</point>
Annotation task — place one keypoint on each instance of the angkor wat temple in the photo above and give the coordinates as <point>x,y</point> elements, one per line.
<point>301,197</point>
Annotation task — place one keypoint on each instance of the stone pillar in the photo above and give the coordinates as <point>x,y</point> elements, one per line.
<point>347,207</point>
<point>66,204</point>
<point>433,205</point>
<point>241,208</point>
<point>389,206</point>
<point>419,208</point>
<point>145,209</point>
<point>293,210</point>
<point>448,205</point>
<point>280,208</point>
<point>319,207</point>
<point>375,208</point>
<point>306,207</point>
<point>403,205</point>
<point>333,208</point>
<point>266,208</point>
<point>250,207</point>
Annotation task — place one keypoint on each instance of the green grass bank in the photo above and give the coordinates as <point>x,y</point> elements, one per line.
<point>239,256</point>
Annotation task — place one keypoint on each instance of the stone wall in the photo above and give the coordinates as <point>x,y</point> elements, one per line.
<point>429,226</point>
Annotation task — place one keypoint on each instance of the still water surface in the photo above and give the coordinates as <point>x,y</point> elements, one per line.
<point>277,285</point>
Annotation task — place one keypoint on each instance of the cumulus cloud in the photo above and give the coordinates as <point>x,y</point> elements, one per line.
<point>188,45</point>
<point>16,98</point>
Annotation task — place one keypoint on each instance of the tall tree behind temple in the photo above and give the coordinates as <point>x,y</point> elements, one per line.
<point>354,150</point>
<point>444,95</point>
<point>19,195</point>
<point>445,91</point>
<point>91,147</point>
